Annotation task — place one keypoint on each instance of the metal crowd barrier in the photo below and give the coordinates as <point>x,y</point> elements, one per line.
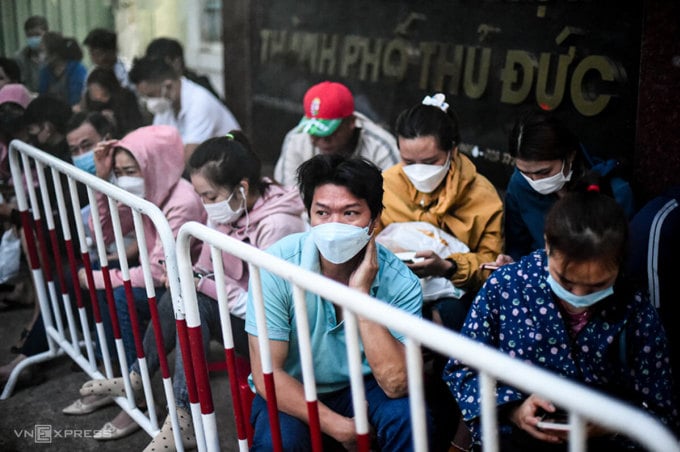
<point>583,404</point>
<point>27,163</point>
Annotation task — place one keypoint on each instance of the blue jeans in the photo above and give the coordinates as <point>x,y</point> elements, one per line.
<point>210,328</point>
<point>143,316</point>
<point>391,419</point>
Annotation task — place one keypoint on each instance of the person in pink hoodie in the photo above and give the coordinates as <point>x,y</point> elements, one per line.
<point>148,163</point>
<point>240,203</point>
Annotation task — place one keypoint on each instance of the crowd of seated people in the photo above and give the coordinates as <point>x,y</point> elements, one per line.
<point>558,238</point>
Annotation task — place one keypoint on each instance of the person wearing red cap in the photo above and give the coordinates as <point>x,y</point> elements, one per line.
<point>332,126</point>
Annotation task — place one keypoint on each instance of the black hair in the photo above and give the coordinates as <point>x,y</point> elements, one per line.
<point>224,161</point>
<point>106,78</point>
<point>100,38</point>
<point>360,176</point>
<point>47,108</point>
<point>427,120</point>
<point>11,120</point>
<point>66,48</point>
<point>165,48</point>
<point>100,123</point>
<point>541,136</point>
<point>587,224</point>
<point>151,70</point>
<point>11,69</point>
<point>35,22</point>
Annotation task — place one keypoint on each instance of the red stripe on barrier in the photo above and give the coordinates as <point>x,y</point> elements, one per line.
<point>57,254</point>
<point>158,334</point>
<point>273,410</point>
<point>111,302</point>
<point>73,265</point>
<point>87,265</point>
<point>200,366</point>
<point>28,226</point>
<point>314,425</point>
<point>364,442</point>
<point>42,247</point>
<point>234,380</point>
<point>134,320</point>
<point>183,337</point>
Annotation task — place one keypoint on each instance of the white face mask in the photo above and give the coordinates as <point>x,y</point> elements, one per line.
<point>132,184</point>
<point>339,242</point>
<point>550,184</point>
<point>427,177</point>
<point>222,213</point>
<point>158,105</point>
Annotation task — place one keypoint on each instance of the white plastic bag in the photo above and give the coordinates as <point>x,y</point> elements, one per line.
<point>10,255</point>
<point>419,236</point>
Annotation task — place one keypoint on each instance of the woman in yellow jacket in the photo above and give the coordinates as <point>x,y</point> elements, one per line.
<point>436,184</point>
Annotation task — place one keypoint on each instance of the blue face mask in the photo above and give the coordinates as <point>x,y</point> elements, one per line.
<point>578,301</point>
<point>85,162</point>
<point>34,42</point>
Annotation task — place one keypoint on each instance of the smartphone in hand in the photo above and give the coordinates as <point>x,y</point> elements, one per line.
<point>408,257</point>
<point>559,420</point>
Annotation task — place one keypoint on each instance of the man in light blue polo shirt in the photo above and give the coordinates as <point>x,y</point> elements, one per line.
<point>343,197</point>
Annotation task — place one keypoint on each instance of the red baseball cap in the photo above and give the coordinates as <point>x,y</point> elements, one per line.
<point>326,105</point>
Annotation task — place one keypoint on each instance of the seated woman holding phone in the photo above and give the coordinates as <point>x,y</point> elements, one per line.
<point>568,308</point>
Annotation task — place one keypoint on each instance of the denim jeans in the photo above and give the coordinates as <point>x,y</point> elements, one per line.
<point>210,328</point>
<point>143,316</point>
<point>391,419</point>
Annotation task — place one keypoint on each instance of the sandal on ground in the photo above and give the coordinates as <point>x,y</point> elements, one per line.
<point>80,407</point>
<point>165,441</point>
<point>110,431</point>
<point>114,387</point>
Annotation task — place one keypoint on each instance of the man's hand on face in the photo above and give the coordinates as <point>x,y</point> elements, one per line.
<point>362,277</point>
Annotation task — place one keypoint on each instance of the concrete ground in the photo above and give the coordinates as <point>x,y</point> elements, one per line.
<point>36,404</point>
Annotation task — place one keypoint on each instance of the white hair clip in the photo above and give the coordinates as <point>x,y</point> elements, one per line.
<point>437,101</point>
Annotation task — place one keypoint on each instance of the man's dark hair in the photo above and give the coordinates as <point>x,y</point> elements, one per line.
<point>100,38</point>
<point>165,48</point>
<point>47,108</point>
<point>11,69</point>
<point>35,22</point>
<point>100,123</point>
<point>361,177</point>
<point>151,70</point>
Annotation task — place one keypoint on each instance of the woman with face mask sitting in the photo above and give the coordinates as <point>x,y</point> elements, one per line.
<point>242,204</point>
<point>569,309</point>
<point>435,183</point>
<point>549,160</point>
<point>148,163</point>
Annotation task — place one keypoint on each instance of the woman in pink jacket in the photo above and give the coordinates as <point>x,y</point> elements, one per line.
<point>240,203</point>
<point>148,163</point>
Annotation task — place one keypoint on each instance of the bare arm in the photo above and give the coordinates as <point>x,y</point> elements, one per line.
<point>385,354</point>
<point>290,395</point>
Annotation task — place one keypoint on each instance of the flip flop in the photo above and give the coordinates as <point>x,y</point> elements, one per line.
<point>80,407</point>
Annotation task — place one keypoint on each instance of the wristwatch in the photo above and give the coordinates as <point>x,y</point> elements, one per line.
<point>451,271</point>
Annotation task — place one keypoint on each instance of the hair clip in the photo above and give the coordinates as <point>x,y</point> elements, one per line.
<point>436,101</point>
<point>593,187</point>
<point>229,136</point>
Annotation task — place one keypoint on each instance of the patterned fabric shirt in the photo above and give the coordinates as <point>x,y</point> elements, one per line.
<point>516,313</point>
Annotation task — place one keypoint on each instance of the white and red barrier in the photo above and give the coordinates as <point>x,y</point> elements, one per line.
<point>583,404</point>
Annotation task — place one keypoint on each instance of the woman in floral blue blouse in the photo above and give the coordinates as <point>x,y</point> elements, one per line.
<point>567,309</point>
